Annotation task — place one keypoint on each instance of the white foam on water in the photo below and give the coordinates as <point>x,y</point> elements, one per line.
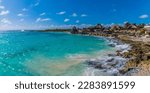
<point>124,47</point>
<point>90,71</point>
<point>109,65</point>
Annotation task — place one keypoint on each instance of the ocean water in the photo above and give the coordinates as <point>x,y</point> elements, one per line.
<point>32,53</point>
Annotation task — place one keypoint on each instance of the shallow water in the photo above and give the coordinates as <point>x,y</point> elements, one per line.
<point>36,53</point>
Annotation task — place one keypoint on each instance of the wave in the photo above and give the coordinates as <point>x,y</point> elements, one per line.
<point>111,63</point>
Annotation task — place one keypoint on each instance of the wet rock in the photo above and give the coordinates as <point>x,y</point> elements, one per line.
<point>112,55</point>
<point>110,59</point>
<point>99,66</point>
<point>111,45</point>
<point>128,66</point>
<point>92,63</point>
<point>102,66</point>
<point>119,53</point>
<point>113,64</point>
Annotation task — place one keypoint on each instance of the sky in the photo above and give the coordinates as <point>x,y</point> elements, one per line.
<point>43,14</point>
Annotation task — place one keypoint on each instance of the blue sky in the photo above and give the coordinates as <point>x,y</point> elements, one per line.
<point>42,14</point>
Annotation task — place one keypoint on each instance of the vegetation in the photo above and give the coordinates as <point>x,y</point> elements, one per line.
<point>56,30</point>
<point>127,28</point>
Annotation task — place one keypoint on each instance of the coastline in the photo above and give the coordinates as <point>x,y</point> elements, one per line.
<point>134,61</point>
<point>139,63</point>
<point>138,56</point>
<point>111,64</point>
<point>55,30</point>
<point>127,56</point>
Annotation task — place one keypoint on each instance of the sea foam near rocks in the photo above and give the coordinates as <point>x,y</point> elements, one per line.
<point>110,64</point>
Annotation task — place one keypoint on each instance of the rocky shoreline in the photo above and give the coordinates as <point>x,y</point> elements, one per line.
<point>112,63</point>
<point>134,61</point>
<point>139,54</point>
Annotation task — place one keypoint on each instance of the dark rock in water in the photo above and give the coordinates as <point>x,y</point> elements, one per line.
<point>110,60</point>
<point>111,55</point>
<point>112,45</point>
<point>99,66</point>
<point>102,66</point>
<point>93,63</point>
<point>122,71</point>
<point>113,64</point>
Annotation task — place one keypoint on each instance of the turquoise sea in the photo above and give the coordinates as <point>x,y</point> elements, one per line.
<point>32,53</point>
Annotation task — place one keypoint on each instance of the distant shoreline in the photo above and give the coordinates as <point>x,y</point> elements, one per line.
<point>55,30</point>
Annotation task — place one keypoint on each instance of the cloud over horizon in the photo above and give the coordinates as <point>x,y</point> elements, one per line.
<point>5,21</point>
<point>144,16</point>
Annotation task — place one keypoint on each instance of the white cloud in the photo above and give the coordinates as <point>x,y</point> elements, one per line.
<point>66,20</point>
<point>21,15</point>
<point>77,21</point>
<point>144,16</point>
<point>24,9</point>
<point>2,7</point>
<point>42,20</point>
<point>74,15</point>
<point>42,14</point>
<point>83,15</point>
<point>5,21</point>
<point>61,13</point>
<point>4,12</point>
